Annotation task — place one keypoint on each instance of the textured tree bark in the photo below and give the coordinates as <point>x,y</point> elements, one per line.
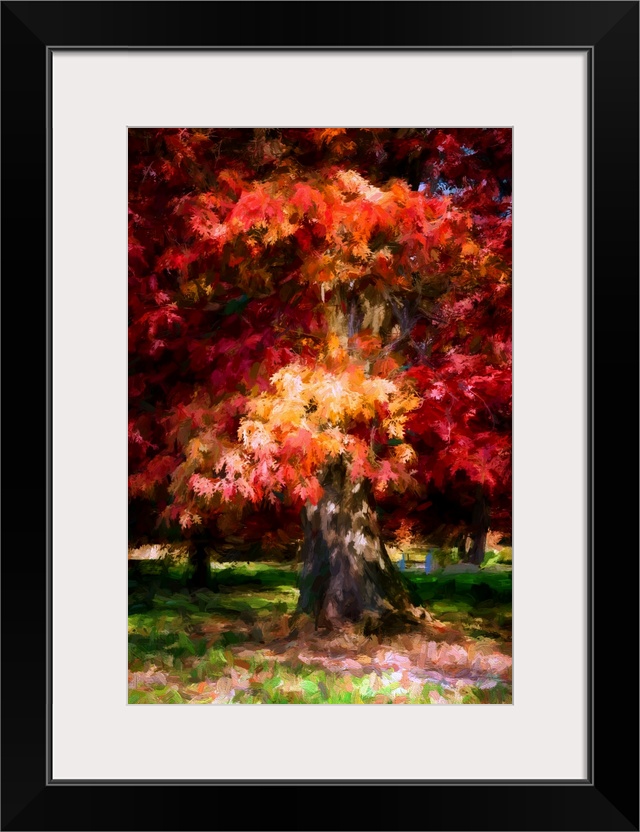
<point>347,575</point>
<point>480,527</point>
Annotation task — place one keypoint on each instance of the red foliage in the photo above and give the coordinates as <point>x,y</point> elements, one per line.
<point>299,294</point>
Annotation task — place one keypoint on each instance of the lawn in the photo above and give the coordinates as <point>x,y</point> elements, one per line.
<point>234,643</point>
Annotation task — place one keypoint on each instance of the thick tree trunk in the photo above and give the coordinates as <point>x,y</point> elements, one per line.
<point>347,575</point>
<point>480,527</point>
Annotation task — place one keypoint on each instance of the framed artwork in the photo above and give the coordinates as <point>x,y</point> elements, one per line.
<point>319,312</point>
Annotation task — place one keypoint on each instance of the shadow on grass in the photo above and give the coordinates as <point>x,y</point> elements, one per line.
<point>244,591</point>
<point>148,578</point>
<point>230,642</point>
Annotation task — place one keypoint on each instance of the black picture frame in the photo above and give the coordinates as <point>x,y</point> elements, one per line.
<point>608,798</point>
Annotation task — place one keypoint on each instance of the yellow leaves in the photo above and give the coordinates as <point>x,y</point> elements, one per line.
<point>336,400</point>
<point>254,435</point>
<point>278,231</point>
<point>361,251</point>
<point>326,403</point>
<point>332,442</point>
<point>394,428</point>
<point>399,408</point>
<point>378,390</point>
<point>261,408</point>
<point>301,396</point>
<point>404,454</point>
<point>404,404</point>
<point>289,381</point>
<point>310,414</point>
<point>193,449</point>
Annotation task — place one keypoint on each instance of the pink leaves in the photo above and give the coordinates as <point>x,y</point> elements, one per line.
<point>309,489</point>
<point>202,486</point>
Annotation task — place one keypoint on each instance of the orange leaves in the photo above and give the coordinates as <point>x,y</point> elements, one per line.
<point>340,222</point>
<point>258,208</point>
<point>309,202</point>
<point>320,268</point>
<point>368,345</point>
<point>283,286</point>
<point>337,139</point>
<point>435,208</point>
<point>309,489</point>
<point>344,228</point>
<point>404,454</point>
<point>327,135</point>
<point>385,366</point>
<point>316,397</point>
<point>306,418</point>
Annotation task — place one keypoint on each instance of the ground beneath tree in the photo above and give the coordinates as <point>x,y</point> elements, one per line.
<point>401,670</point>
<point>235,645</point>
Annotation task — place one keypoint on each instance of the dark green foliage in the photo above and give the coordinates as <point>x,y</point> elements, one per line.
<point>472,587</point>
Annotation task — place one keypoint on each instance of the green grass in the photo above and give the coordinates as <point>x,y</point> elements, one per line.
<point>474,586</point>
<point>307,686</point>
<point>478,601</point>
<point>231,644</point>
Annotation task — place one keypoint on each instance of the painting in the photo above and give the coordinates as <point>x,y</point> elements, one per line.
<point>320,387</point>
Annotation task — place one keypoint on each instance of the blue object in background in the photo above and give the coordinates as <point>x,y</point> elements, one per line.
<point>401,564</point>
<point>428,561</point>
